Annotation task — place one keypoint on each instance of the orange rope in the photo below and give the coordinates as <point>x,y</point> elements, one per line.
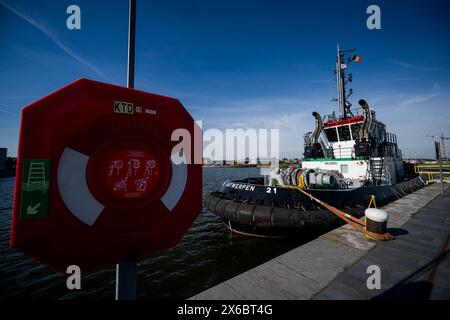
<point>351,220</point>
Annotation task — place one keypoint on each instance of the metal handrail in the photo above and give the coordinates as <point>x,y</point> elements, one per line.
<point>433,173</point>
<point>432,176</point>
<point>430,168</point>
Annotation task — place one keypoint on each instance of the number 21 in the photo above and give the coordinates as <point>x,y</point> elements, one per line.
<point>269,190</point>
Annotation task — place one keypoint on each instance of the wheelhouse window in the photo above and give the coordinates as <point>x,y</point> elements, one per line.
<point>344,133</point>
<point>331,134</point>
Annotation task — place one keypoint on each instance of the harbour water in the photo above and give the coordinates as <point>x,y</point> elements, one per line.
<point>207,255</point>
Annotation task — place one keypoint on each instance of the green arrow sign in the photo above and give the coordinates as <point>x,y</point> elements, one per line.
<point>35,187</point>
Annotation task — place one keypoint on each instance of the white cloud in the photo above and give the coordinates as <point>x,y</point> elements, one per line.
<point>412,66</point>
<point>409,115</point>
<point>291,115</point>
<point>53,38</point>
<point>412,116</point>
<point>415,100</point>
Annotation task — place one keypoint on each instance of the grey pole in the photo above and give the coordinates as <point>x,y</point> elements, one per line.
<point>126,272</point>
<point>126,280</point>
<point>444,148</point>
<point>440,169</point>
<point>437,147</point>
<point>131,43</point>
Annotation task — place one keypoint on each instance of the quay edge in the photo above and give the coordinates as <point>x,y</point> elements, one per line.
<point>332,266</point>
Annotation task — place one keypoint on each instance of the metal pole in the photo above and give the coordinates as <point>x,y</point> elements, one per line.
<point>442,178</point>
<point>126,272</point>
<point>437,146</point>
<point>444,148</point>
<point>131,43</point>
<point>341,100</point>
<point>126,280</point>
<point>440,173</point>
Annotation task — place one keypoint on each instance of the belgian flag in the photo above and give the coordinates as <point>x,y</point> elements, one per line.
<point>356,58</point>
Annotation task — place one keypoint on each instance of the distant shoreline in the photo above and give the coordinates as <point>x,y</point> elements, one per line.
<point>6,173</point>
<point>243,166</point>
<point>235,166</point>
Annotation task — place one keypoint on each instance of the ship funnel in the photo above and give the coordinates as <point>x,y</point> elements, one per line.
<point>363,104</point>
<point>319,126</point>
<point>367,114</point>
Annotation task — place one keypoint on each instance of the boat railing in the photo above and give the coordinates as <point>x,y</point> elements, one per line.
<point>357,111</point>
<point>390,138</point>
<point>390,150</point>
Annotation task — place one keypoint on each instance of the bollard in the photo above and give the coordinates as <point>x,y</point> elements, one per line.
<point>376,221</point>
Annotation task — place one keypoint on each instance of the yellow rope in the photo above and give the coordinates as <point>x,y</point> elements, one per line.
<point>353,221</point>
<point>372,201</point>
<point>301,181</point>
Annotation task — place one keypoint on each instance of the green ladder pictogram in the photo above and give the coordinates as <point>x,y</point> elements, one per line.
<point>36,177</point>
<point>35,187</point>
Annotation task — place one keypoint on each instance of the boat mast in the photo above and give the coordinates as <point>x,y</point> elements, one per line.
<point>344,105</point>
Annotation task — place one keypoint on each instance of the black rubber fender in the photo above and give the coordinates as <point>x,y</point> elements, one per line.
<point>281,217</point>
<point>220,208</point>
<point>263,216</point>
<point>211,203</point>
<point>230,210</point>
<point>299,218</point>
<point>245,214</point>
<point>320,218</point>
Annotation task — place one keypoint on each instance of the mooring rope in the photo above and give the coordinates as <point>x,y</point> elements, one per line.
<point>351,220</point>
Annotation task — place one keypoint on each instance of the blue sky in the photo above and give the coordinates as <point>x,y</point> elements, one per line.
<point>259,64</point>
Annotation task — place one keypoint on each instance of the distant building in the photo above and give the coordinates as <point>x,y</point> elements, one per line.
<point>3,155</point>
<point>229,162</point>
<point>264,161</point>
<point>207,161</point>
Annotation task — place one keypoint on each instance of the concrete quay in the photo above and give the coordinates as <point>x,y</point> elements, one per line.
<point>415,264</point>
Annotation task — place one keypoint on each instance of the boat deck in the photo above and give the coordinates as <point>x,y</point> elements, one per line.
<point>415,264</point>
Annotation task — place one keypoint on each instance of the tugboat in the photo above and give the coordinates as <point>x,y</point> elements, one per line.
<point>349,161</point>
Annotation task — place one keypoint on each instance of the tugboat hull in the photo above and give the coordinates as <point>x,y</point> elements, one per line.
<point>275,211</point>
